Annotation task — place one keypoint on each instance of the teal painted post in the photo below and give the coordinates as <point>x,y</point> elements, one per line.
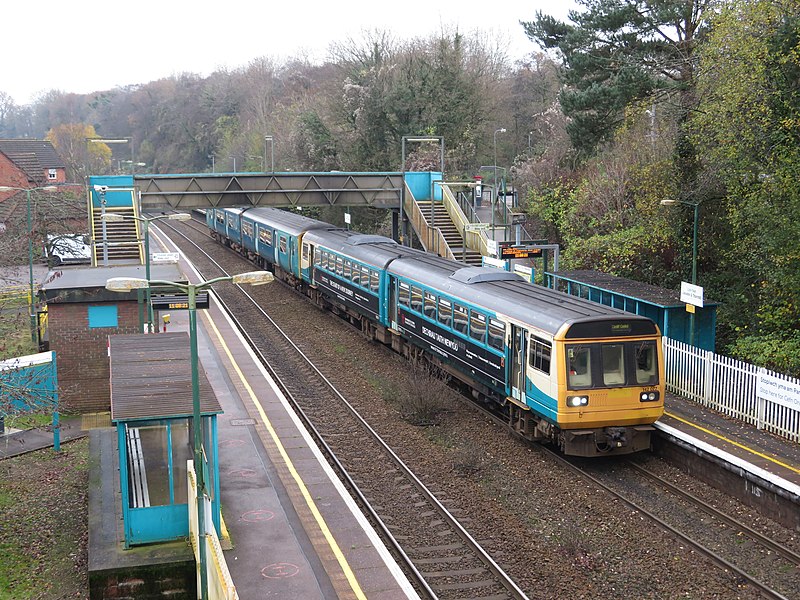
<point>123,479</point>
<point>198,440</point>
<point>56,432</point>
<point>170,466</point>
<point>694,269</point>
<point>56,416</point>
<point>32,307</point>
<point>147,275</point>
<point>215,513</point>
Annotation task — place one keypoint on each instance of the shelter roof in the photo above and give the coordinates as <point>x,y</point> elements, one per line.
<point>660,296</point>
<point>151,378</point>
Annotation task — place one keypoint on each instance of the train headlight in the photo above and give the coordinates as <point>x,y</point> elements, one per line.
<point>575,401</point>
<point>648,396</point>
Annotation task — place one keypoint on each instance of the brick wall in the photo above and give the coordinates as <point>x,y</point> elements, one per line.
<point>12,176</point>
<point>82,353</point>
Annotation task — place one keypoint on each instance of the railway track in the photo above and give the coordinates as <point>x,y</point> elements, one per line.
<point>440,555</point>
<point>756,560</point>
<point>770,572</point>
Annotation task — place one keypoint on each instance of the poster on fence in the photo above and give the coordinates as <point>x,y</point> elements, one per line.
<point>780,391</point>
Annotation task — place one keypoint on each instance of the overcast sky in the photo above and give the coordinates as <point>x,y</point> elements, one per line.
<point>90,45</point>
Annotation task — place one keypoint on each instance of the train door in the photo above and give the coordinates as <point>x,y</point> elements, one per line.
<point>517,380</point>
<point>284,255</point>
<point>306,260</point>
<point>393,302</point>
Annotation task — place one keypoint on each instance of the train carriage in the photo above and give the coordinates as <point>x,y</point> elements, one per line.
<point>349,269</point>
<point>582,375</point>
<point>269,236</point>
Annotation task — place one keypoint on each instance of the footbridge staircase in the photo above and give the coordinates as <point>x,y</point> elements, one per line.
<point>446,223</point>
<point>115,226</point>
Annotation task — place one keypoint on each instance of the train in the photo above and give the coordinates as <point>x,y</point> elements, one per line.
<point>584,377</point>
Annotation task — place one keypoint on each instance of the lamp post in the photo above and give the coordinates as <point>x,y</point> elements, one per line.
<point>420,139</point>
<point>696,207</point>
<point>530,133</point>
<point>213,163</point>
<point>121,140</point>
<point>126,284</point>
<point>29,221</point>
<point>496,187</point>
<point>268,138</point>
<point>146,227</point>
<point>234,163</point>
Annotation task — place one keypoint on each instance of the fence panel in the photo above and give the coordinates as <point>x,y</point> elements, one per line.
<point>729,386</point>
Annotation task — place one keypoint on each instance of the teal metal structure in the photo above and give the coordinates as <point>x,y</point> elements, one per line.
<point>661,305</point>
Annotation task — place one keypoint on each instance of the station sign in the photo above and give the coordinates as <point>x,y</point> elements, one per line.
<point>164,257</point>
<point>178,301</point>
<point>691,295</point>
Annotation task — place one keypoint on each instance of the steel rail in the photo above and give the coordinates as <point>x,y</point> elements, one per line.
<point>501,576</point>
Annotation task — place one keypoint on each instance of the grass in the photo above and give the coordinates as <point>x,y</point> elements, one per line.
<point>43,524</point>
<point>15,332</point>
<point>28,420</point>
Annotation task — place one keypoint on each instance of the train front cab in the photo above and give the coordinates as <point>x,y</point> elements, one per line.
<point>610,386</point>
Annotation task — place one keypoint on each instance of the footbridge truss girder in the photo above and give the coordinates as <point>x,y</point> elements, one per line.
<point>206,190</point>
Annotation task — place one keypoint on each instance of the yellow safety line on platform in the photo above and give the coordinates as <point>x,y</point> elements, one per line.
<point>737,444</point>
<point>348,572</point>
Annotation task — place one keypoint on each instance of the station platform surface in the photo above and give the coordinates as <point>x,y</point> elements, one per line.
<point>293,530</point>
<point>767,454</point>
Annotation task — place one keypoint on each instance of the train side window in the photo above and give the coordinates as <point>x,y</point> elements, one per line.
<point>404,293</point>
<point>579,367</point>
<point>339,265</point>
<point>374,281</point>
<point>232,224</point>
<point>356,274</point>
<point>445,312</point>
<point>282,244</point>
<point>539,356</point>
<point>416,299</point>
<point>646,363</point>
<point>247,229</point>
<point>460,319</point>
<point>347,269</point>
<point>430,305</point>
<point>477,326</point>
<point>220,217</point>
<point>497,334</point>
<point>306,252</point>
<point>265,236</point>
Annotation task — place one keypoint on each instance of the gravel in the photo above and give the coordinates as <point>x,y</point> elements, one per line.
<point>558,535</point>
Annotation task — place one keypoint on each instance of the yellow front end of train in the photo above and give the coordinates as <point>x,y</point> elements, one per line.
<point>609,392</point>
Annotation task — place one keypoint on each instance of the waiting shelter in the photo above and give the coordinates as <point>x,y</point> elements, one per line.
<point>661,305</point>
<point>152,410</point>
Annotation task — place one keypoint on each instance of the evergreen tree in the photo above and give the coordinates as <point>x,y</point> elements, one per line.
<point>616,52</point>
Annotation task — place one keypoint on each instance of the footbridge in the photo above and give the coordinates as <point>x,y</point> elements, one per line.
<point>205,190</point>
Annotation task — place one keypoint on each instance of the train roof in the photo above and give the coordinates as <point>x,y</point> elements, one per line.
<point>505,293</point>
<point>287,221</point>
<point>375,250</point>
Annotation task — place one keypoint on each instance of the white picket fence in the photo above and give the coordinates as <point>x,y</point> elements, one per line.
<point>732,387</point>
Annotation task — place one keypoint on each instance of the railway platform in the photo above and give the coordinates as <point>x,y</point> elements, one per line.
<point>291,530</point>
<point>760,468</point>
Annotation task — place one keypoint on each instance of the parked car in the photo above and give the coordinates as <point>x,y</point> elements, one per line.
<point>68,249</point>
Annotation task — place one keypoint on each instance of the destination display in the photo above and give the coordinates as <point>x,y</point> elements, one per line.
<point>509,250</point>
<point>178,301</point>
